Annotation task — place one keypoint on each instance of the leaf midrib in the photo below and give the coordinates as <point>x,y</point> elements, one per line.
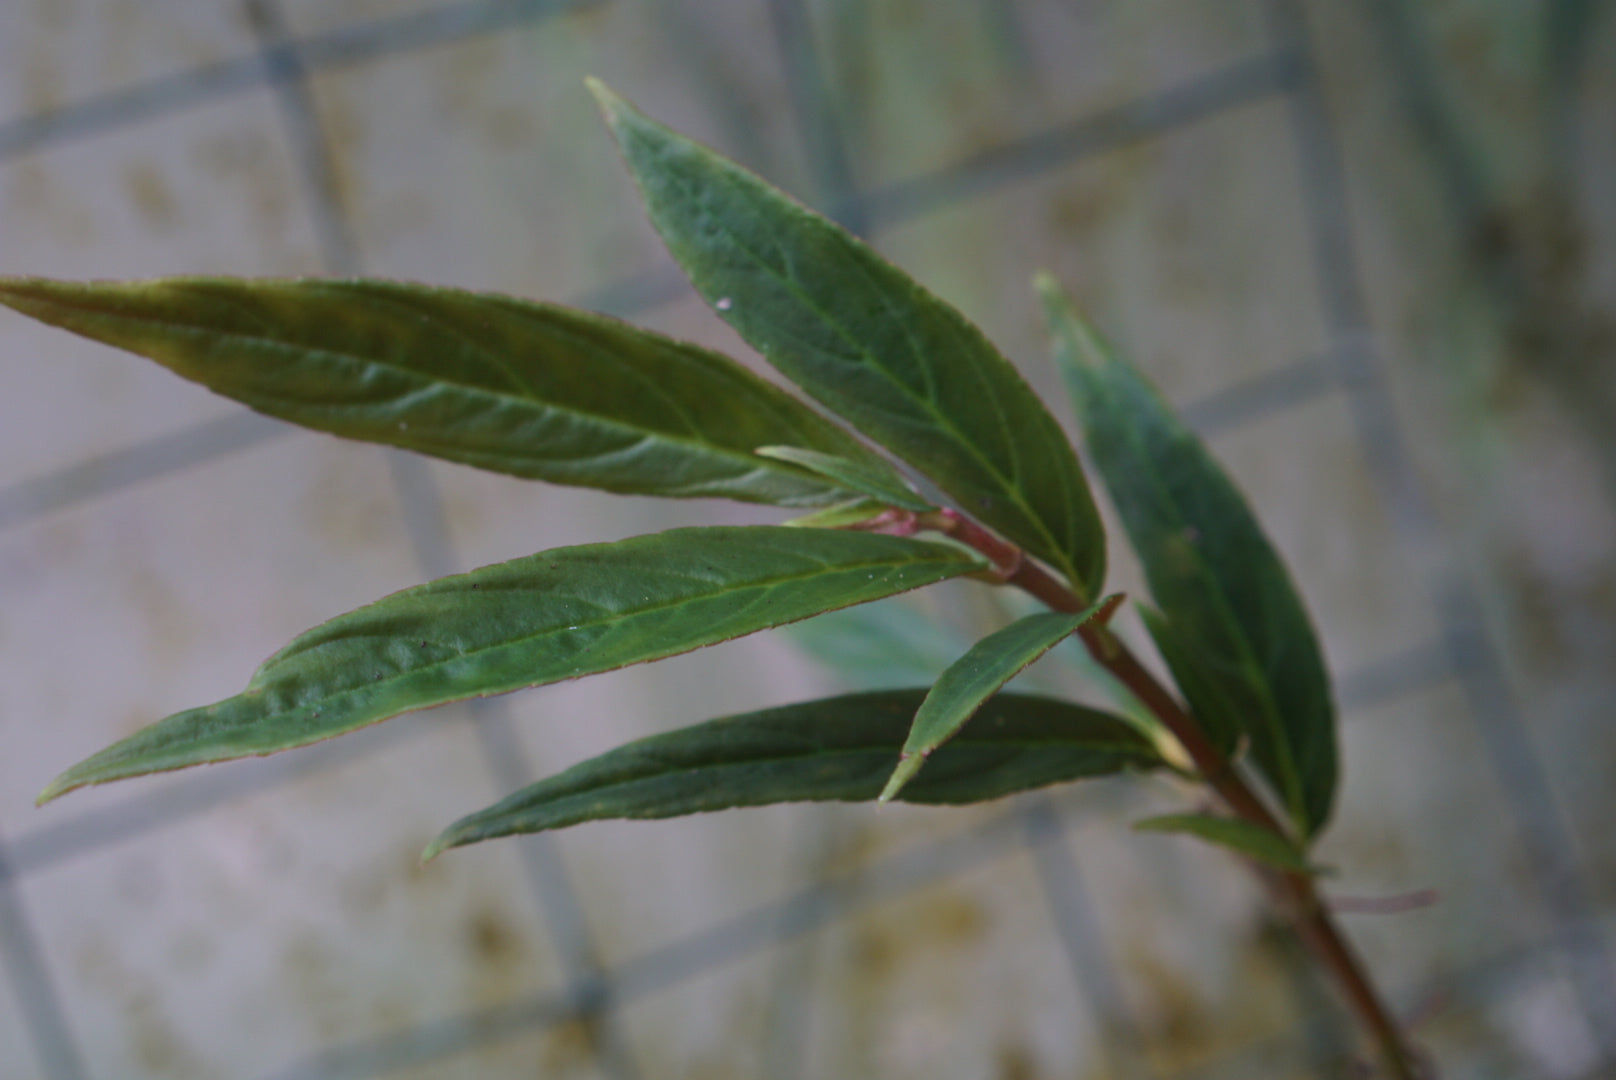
<point>765,585</point>
<point>1294,797</point>
<point>1133,749</point>
<point>751,462</point>
<point>1008,484</point>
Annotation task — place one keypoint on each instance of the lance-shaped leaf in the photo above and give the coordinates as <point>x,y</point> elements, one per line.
<point>534,390</point>
<point>969,681</point>
<point>879,482</point>
<point>834,749</point>
<point>541,619</point>
<point>1239,640</point>
<point>867,341</point>
<point>1241,837</point>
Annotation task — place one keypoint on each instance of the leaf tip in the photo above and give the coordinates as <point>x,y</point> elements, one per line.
<point>441,843</point>
<point>59,787</point>
<point>1106,609</point>
<point>611,105</point>
<point>908,765</point>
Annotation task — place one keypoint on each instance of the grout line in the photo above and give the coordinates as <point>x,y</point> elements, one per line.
<point>1380,682</point>
<point>794,976</point>
<point>1121,1052</point>
<point>150,459</point>
<point>646,289</point>
<point>1370,686</point>
<point>427,527</point>
<point>1255,398</point>
<point>1545,835</point>
<point>815,111</point>
<point>287,74</point>
<point>41,1007</point>
<point>1246,82</point>
<point>503,756</point>
<point>210,83</point>
<point>1238,85</point>
<point>178,801</point>
<point>813,908</point>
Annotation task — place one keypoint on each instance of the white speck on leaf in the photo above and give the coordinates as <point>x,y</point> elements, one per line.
<point>724,303</point>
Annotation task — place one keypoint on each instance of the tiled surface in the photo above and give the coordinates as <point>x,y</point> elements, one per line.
<point>267,918</point>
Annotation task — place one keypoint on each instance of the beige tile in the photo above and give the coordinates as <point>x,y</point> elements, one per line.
<point>293,920</point>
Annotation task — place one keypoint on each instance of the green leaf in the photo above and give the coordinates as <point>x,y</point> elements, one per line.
<point>541,619</point>
<point>879,482</point>
<point>864,339</point>
<point>533,390</point>
<point>1252,841</point>
<point>1238,637</point>
<point>972,679</point>
<point>834,749</point>
<point>1220,714</point>
<point>842,515</point>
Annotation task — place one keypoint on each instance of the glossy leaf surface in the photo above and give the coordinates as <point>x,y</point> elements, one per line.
<point>1227,598</point>
<point>534,390</point>
<point>833,749</point>
<point>868,342</point>
<point>1241,837</point>
<point>961,689</point>
<point>541,619</point>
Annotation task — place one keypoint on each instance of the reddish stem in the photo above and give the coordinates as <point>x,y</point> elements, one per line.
<point>1295,893</point>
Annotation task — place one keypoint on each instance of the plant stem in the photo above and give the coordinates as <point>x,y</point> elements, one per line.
<point>1294,893</point>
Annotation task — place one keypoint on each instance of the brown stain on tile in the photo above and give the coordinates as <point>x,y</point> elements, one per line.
<point>351,505</point>
<point>1012,1061</point>
<point>882,948</point>
<point>570,1048</point>
<point>492,940</point>
<point>38,196</point>
<point>244,165</point>
<point>152,198</point>
<point>150,1036</point>
<point>307,977</point>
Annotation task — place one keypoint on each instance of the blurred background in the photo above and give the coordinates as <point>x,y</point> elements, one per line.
<point>1369,249</point>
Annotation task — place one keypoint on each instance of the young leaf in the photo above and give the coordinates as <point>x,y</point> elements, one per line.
<point>534,390</point>
<point>972,679</point>
<point>540,619</point>
<point>879,482</point>
<point>868,342</point>
<point>834,749</point>
<point>1228,601</point>
<point>842,515</point>
<point>1242,837</point>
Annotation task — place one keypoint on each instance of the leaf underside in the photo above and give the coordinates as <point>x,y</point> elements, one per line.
<point>838,749</point>
<point>533,390</point>
<point>868,342</point>
<point>1231,624</point>
<point>540,619</point>
<point>961,689</point>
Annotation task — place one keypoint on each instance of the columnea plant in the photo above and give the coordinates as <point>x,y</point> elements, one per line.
<point>555,394</point>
